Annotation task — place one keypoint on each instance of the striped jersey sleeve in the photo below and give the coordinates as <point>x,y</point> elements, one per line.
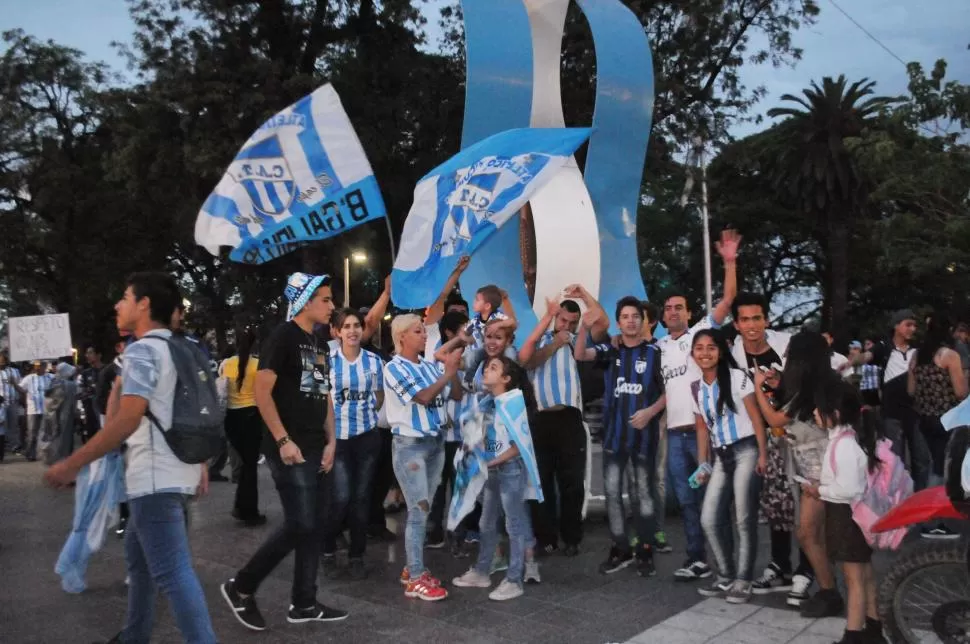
<point>403,380</point>
<point>354,386</point>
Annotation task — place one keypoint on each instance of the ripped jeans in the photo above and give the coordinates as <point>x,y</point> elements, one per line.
<point>417,465</point>
<point>643,482</point>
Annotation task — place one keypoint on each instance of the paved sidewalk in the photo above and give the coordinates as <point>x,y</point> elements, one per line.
<point>574,603</point>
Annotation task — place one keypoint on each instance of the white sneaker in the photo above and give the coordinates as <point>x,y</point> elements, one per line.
<point>799,590</point>
<point>531,574</point>
<point>472,579</point>
<point>506,590</point>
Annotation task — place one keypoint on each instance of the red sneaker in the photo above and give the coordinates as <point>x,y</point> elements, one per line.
<point>427,588</point>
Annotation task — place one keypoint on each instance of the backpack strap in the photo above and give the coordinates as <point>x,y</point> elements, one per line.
<point>835,444</point>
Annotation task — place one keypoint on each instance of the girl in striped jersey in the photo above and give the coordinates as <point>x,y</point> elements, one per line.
<point>513,476</point>
<point>357,393</point>
<point>727,420</point>
<point>415,391</point>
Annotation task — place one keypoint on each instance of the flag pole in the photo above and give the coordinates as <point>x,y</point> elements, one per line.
<point>390,238</point>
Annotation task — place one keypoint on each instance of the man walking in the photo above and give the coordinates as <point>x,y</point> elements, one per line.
<point>679,370</point>
<point>12,392</point>
<point>158,484</point>
<point>292,387</point>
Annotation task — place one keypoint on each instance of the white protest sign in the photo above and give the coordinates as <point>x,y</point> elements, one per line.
<point>38,337</point>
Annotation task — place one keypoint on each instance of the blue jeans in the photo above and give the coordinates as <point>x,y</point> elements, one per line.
<point>681,463</point>
<point>733,480</point>
<point>303,496</point>
<point>643,485</point>
<point>157,550</point>
<point>504,491</point>
<point>906,435</point>
<point>350,484</point>
<point>417,465</point>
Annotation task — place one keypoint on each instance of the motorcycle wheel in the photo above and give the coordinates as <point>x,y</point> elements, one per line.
<point>918,585</point>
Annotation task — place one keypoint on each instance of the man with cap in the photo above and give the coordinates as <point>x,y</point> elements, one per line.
<point>900,421</point>
<point>292,397</point>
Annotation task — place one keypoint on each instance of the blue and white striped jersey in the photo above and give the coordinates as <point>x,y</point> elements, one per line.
<point>403,379</point>
<point>9,379</point>
<point>556,381</point>
<point>354,386</point>
<point>36,386</point>
<point>728,427</point>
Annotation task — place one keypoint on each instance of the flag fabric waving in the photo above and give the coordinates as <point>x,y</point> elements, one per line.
<point>301,177</point>
<point>459,204</point>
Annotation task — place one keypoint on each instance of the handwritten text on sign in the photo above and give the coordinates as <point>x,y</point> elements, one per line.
<point>37,337</point>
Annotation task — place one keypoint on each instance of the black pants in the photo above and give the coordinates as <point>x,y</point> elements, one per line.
<point>349,488</point>
<point>781,554</point>
<point>560,445</point>
<point>936,439</point>
<point>383,480</point>
<point>303,496</point>
<point>244,429</point>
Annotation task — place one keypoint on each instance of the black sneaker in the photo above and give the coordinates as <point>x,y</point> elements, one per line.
<point>616,561</point>
<point>120,529</point>
<point>547,550</point>
<point>435,539</point>
<point>692,571</point>
<point>357,570</point>
<point>458,551</point>
<point>571,550</point>
<point>939,531</point>
<point>316,613</point>
<point>645,566</point>
<point>824,603</point>
<point>250,521</point>
<point>329,564</point>
<point>244,608</point>
<point>773,580</point>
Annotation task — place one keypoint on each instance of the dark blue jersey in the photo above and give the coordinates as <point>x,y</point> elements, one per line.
<point>633,381</point>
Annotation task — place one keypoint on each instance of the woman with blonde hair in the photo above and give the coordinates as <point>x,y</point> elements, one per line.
<point>414,391</point>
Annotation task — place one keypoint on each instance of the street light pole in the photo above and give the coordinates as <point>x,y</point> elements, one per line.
<point>358,258</point>
<point>346,281</point>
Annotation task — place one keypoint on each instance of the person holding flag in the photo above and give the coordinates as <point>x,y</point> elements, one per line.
<point>513,476</point>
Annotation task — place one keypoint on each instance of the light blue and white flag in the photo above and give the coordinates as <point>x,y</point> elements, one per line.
<point>301,177</point>
<point>511,412</point>
<point>459,204</point>
<point>99,491</point>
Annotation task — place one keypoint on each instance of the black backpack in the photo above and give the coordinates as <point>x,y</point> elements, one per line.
<point>197,433</point>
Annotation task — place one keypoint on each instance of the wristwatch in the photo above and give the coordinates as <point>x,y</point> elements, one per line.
<point>283,441</point>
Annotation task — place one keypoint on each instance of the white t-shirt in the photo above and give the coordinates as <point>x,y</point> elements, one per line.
<point>728,427</point>
<point>837,360</point>
<point>151,467</point>
<point>679,370</point>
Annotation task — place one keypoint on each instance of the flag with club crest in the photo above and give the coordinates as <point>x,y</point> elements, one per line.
<point>301,177</point>
<point>459,204</point>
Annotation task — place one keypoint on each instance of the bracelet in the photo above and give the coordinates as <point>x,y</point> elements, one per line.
<point>283,441</point>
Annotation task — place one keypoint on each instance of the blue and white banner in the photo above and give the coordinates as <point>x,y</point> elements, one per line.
<point>957,417</point>
<point>510,410</point>
<point>301,177</point>
<point>459,204</point>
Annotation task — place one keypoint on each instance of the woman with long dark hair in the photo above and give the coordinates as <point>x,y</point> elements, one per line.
<point>807,367</point>
<point>243,426</point>
<point>727,420</point>
<point>937,384</point>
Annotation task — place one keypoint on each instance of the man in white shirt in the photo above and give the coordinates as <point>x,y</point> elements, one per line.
<point>679,370</point>
<point>158,484</point>
<point>35,384</point>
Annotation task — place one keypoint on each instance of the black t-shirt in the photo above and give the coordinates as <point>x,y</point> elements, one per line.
<point>300,361</point>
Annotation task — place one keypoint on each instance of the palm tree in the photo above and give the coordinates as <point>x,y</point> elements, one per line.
<point>818,170</point>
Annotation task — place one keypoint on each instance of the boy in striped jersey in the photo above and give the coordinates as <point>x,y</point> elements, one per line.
<point>632,404</point>
<point>558,433</point>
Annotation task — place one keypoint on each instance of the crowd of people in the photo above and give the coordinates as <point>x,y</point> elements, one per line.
<point>744,422</point>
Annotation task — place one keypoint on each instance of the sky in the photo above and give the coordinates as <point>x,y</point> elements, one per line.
<point>911,29</point>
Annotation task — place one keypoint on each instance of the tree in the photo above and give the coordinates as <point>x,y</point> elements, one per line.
<point>818,171</point>
<point>64,218</point>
